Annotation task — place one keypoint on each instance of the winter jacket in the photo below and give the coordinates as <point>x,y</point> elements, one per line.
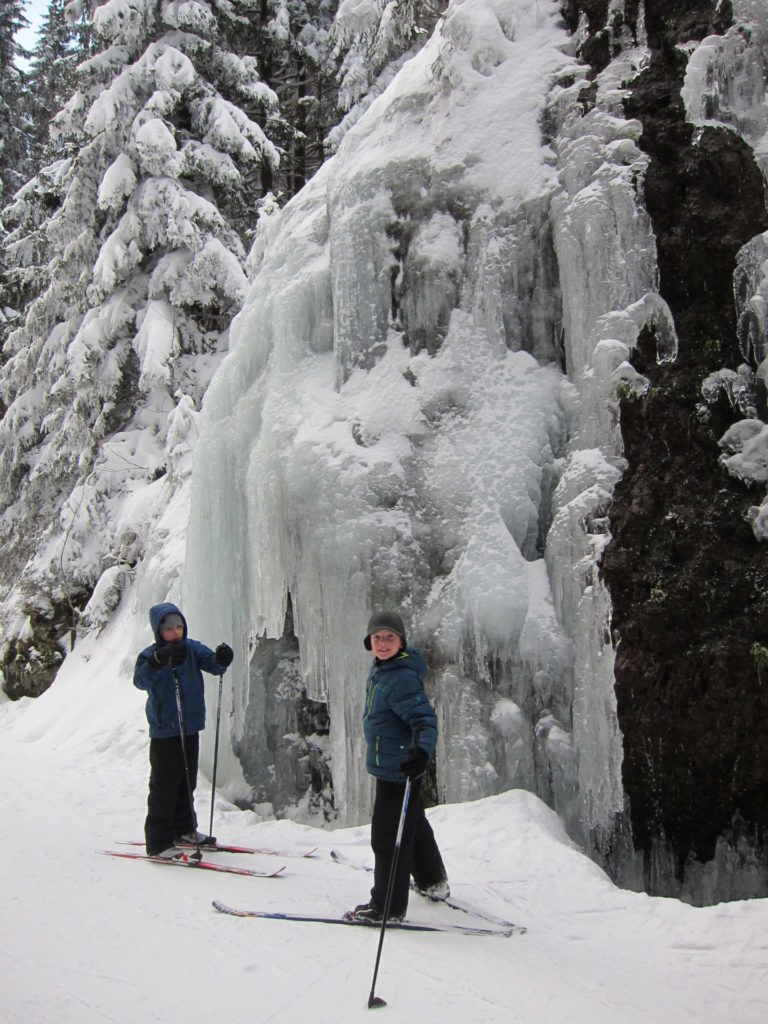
<point>396,706</point>
<point>162,713</point>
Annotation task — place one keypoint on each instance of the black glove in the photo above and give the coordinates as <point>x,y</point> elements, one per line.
<point>161,656</point>
<point>224,655</point>
<point>168,654</point>
<point>178,654</point>
<point>416,763</point>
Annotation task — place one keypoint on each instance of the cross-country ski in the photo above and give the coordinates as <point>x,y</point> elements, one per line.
<point>347,919</point>
<point>449,901</point>
<point>191,862</point>
<point>218,847</point>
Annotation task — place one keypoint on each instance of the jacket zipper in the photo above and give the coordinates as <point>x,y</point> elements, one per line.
<point>368,707</point>
<point>371,693</point>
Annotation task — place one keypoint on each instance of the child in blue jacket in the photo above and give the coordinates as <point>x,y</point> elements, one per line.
<point>396,712</point>
<point>174,656</point>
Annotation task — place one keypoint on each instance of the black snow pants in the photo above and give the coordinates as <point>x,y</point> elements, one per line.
<point>169,814</point>
<point>419,854</point>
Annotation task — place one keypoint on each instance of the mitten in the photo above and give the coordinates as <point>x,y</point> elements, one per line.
<point>178,654</point>
<point>224,655</point>
<point>161,656</point>
<point>416,763</point>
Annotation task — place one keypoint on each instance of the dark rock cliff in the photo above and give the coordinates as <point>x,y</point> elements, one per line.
<point>688,580</point>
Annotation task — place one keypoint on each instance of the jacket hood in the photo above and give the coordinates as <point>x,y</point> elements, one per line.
<point>158,612</point>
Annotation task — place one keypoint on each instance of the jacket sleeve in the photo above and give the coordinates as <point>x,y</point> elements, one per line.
<point>143,675</point>
<point>410,702</point>
<point>205,658</point>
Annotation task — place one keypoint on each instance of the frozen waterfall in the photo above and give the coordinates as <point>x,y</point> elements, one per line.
<point>419,409</point>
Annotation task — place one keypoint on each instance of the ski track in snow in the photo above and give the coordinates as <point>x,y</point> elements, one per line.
<point>89,939</point>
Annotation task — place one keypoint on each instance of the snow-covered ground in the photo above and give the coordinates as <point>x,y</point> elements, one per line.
<point>87,939</point>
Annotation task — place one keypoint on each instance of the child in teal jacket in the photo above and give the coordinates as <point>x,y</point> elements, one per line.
<point>400,728</point>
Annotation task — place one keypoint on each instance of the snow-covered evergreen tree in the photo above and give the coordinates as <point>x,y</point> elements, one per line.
<point>15,138</point>
<point>14,126</point>
<point>295,63</point>
<point>369,41</point>
<point>131,247</point>
<point>61,45</point>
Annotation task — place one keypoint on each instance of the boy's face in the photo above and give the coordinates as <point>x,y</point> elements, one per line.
<point>172,634</point>
<point>385,644</point>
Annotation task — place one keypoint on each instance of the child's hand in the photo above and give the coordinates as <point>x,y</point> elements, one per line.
<point>178,655</point>
<point>416,764</point>
<point>224,655</point>
<point>168,654</point>
<point>161,656</point>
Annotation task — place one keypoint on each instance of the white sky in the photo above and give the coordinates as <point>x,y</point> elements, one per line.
<point>34,12</point>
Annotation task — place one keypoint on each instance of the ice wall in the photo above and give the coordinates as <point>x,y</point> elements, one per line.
<point>725,78</point>
<point>725,84</point>
<point>418,410</point>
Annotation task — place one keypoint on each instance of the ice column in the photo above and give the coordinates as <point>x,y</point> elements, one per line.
<point>606,256</point>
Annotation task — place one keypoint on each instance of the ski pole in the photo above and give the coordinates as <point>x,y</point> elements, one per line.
<point>197,855</point>
<point>374,1000</point>
<point>216,752</point>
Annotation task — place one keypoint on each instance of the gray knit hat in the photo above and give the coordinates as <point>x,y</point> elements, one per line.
<point>384,620</point>
<point>169,621</point>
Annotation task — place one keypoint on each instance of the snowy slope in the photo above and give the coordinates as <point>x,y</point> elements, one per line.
<point>88,939</point>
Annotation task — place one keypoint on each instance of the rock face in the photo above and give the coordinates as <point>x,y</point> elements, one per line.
<point>687,577</point>
<point>30,664</point>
